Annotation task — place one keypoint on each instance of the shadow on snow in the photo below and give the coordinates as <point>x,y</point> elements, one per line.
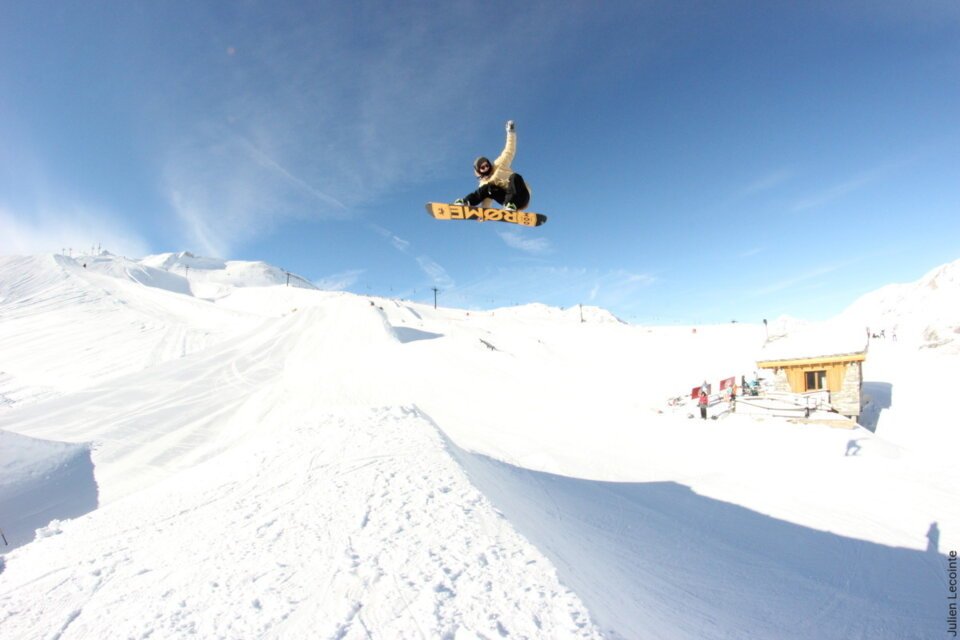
<point>408,334</point>
<point>45,481</point>
<point>656,560</point>
<point>878,396</point>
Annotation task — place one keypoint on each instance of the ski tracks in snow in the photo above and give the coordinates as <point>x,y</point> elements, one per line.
<point>357,524</point>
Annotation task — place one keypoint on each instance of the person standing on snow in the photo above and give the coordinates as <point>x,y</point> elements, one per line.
<point>703,402</point>
<point>497,179</point>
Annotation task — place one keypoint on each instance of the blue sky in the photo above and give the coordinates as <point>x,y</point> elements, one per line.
<point>698,161</point>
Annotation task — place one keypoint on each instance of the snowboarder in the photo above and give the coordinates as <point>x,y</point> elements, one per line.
<point>497,179</point>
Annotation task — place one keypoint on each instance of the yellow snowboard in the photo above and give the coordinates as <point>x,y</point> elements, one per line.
<point>444,211</point>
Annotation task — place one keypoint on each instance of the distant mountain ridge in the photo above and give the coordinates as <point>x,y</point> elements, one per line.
<point>536,311</point>
<point>215,274</point>
<point>212,277</point>
<point>925,312</point>
<point>186,273</point>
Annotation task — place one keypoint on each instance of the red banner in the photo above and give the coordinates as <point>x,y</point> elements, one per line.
<point>695,392</point>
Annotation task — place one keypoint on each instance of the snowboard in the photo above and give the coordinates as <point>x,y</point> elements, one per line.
<point>444,211</point>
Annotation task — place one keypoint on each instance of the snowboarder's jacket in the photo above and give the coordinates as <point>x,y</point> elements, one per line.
<point>501,171</point>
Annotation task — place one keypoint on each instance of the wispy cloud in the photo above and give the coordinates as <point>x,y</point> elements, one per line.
<point>226,190</point>
<point>67,228</point>
<point>837,191</point>
<point>298,183</point>
<point>534,246</point>
<point>339,281</point>
<point>398,243</point>
<point>852,184</point>
<point>616,288</point>
<point>751,252</point>
<point>197,224</point>
<point>766,182</point>
<point>793,281</point>
<point>437,274</point>
<point>434,271</point>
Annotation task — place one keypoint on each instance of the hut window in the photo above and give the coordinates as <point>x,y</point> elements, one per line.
<point>815,380</point>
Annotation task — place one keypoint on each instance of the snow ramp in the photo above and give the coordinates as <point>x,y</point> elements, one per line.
<point>657,560</point>
<point>41,481</point>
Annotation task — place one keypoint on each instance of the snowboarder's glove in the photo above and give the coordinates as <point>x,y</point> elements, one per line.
<point>510,126</point>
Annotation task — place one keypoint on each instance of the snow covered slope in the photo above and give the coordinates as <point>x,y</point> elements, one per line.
<point>320,464</point>
<point>924,313</point>
<point>346,524</point>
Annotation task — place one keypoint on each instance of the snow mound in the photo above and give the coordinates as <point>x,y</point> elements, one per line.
<point>42,481</point>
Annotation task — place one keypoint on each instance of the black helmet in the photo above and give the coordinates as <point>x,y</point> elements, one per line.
<point>479,161</point>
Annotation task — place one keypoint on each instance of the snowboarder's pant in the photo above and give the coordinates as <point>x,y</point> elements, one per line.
<point>703,412</point>
<point>515,193</point>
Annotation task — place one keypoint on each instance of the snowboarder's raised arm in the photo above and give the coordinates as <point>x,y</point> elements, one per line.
<point>505,159</point>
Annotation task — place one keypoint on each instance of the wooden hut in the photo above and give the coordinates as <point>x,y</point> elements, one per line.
<point>824,358</point>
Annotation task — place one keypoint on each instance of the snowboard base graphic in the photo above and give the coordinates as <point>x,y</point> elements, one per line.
<point>444,211</point>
